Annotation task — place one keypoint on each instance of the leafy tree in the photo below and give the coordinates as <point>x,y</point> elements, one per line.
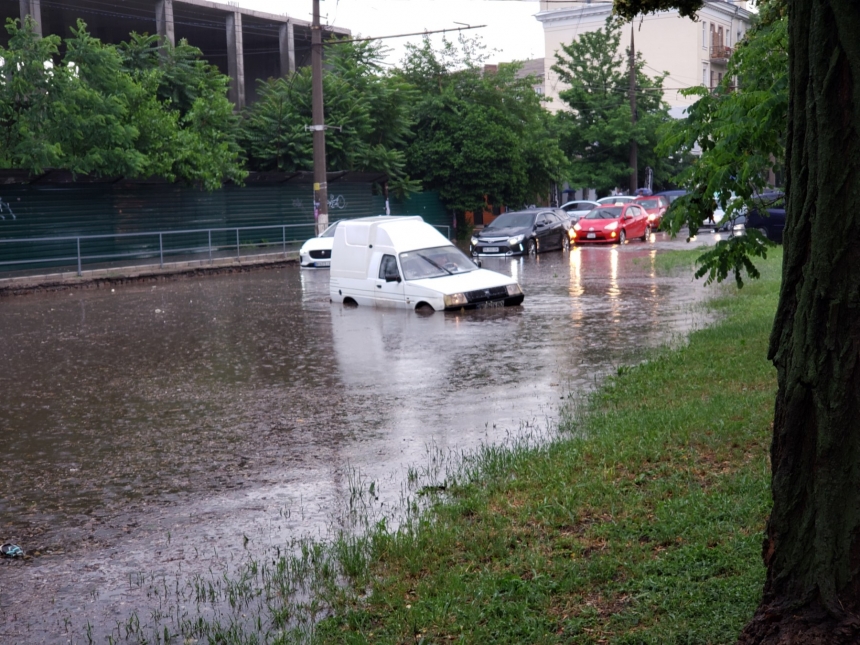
<point>478,136</point>
<point>204,148</point>
<point>370,109</point>
<point>741,132</point>
<point>812,589</point>
<point>86,111</point>
<point>597,128</point>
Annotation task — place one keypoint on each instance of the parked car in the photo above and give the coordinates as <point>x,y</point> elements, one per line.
<point>615,200</point>
<point>613,224</point>
<point>656,206</point>
<point>531,231</point>
<point>579,208</point>
<point>404,263</point>
<point>771,225</point>
<point>316,252</point>
<point>671,195</point>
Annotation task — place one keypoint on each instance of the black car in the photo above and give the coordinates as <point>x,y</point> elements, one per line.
<point>531,231</point>
<point>770,225</point>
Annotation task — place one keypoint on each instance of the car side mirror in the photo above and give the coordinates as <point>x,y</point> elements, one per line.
<point>392,277</point>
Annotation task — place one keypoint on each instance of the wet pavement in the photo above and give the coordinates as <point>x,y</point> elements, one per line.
<point>153,430</point>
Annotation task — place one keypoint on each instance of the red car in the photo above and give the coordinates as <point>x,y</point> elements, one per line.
<point>612,224</point>
<point>655,206</point>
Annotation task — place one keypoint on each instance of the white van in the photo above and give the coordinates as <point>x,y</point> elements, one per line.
<point>405,263</point>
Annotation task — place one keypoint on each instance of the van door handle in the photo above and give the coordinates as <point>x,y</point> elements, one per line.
<point>379,286</point>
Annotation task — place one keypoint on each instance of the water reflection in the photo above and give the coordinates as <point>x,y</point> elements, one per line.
<point>226,399</point>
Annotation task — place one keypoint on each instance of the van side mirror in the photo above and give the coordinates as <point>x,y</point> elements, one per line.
<point>392,277</point>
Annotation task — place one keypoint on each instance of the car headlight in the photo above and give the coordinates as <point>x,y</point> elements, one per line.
<point>611,227</point>
<point>474,241</point>
<point>577,227</point>
<point>514,289</point>
<point>455,300</point>
<point>652,217</point>
<point>516,240</point>
<point>738,227</point>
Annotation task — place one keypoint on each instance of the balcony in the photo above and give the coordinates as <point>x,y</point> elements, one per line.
<point>720,54</point>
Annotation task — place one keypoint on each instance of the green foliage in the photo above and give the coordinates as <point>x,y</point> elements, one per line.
<point>478,136</point>
<point>597,128</point>
<point>741,133</point>
<point>368,113</point>
<point>98,109</point>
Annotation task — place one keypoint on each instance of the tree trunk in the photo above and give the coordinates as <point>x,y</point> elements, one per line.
<point>812,546</point>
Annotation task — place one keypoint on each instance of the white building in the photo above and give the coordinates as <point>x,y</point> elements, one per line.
<point>693,53</point>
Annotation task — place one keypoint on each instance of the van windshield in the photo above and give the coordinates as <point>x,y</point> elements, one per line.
<point>434,263</point>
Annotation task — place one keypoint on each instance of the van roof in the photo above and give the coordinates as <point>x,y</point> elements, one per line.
<point>401,233</point>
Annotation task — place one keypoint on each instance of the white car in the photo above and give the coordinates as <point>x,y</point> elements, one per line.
<point>404,263</point>
<point>580,208</point>
<point>615,200</point>
<point>316,252</point>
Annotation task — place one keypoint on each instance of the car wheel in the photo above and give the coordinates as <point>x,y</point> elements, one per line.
<point>531,247</point>
<point>622,237</point>
<point>565,242</point>
<point>646,234</point>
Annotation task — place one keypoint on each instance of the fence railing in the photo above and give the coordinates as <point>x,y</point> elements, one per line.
<point>115,248</point>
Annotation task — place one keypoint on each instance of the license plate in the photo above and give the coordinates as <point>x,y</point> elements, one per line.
<point>492,304</point>
<point>591,236</point>
<point>323,263</point>
<point>491,249</point>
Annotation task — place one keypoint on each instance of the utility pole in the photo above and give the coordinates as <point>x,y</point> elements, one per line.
<point>634,149</point>
<point>318,127</point>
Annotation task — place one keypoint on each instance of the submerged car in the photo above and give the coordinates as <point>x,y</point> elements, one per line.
<point>655,206</point>
<point>404,263</point>
<point>316,252</point>
<point>613,224</point>
<point>531,231</point>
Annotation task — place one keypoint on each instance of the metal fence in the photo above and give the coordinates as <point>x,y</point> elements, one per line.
<point>155,246</point>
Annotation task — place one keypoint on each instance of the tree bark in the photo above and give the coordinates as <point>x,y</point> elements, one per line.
<point>812,545</point>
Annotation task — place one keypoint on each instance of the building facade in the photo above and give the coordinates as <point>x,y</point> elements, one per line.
<point>244,44</point>
<point>692,52</point>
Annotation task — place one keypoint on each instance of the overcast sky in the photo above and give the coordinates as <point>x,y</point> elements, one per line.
<point>511,26</point>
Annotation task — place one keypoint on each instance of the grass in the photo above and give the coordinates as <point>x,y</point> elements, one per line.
<point>639,521</point>
<point>642,523</point>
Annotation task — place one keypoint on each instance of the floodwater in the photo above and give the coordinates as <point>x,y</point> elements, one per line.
<point>154,428</point>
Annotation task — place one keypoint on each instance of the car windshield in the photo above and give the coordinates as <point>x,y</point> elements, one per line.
<point>649,203</point>
<point>512,220</point>
<point>434,263</point>
<point>329,232</point>
<point>604,213</point>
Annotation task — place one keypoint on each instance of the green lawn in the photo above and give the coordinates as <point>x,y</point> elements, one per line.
<point>642,524</point>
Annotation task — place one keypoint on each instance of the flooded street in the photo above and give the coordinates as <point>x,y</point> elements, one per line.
<point>154,428</point>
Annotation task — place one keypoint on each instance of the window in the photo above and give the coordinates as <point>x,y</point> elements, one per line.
<point>713,79</point>
<point>705,75</point>
<point>713,35</point>
<point>704,35</point>
<point>719,78</point>
<point>388,267</point>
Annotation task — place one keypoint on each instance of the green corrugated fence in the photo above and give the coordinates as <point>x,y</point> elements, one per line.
<point>74,210</point>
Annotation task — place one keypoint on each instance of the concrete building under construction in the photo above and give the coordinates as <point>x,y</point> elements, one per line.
<point>244,44</point>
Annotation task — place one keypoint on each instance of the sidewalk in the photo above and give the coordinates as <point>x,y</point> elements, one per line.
<point>108,276</point>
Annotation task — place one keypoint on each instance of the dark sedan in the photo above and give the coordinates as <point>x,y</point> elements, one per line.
<point>530,232</point>
<point>768,218</point>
